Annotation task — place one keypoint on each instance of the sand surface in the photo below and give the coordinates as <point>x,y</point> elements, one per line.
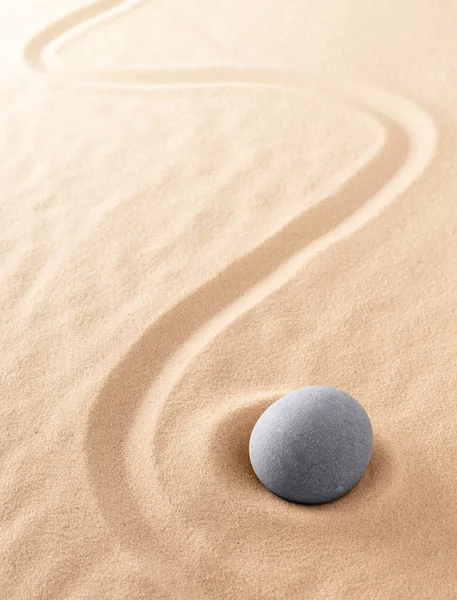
<point>205,205</point>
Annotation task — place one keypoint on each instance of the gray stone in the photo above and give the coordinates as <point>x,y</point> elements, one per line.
<point>312,445</point>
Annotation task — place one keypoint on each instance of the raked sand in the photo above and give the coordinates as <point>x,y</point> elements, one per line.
<point>204,206</point>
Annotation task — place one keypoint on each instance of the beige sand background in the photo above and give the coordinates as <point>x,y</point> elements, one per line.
<point>205,205</point>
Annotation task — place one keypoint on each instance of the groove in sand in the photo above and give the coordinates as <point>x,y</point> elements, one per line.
<point>160,357</point>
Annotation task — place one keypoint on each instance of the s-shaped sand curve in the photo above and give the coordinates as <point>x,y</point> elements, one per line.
<point>157,361</point>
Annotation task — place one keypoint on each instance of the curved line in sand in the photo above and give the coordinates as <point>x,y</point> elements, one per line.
<point>179,335</point>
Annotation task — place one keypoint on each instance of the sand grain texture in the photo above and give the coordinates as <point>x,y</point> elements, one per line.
<point>203,207</point>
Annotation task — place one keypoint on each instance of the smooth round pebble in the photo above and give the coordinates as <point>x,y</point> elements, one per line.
<point>312,445</point>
